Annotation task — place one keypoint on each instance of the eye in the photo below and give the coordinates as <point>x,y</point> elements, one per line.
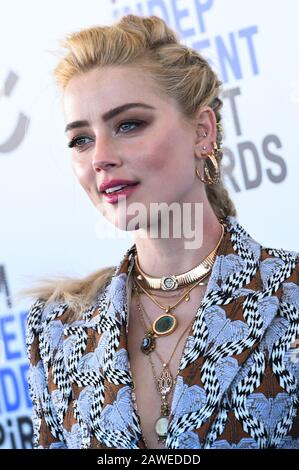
<point>81,141</point>
<point>126,126</point>
<point>78,142</point>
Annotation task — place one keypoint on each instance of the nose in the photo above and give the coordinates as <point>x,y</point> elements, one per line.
<point>104,156</point>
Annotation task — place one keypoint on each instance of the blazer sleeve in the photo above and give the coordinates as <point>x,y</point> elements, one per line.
<point>46,427</point>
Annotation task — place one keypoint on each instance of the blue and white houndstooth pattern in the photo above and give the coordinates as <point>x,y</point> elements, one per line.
<point>270,326</point>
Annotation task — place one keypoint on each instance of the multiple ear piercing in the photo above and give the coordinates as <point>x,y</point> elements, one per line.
<point>211,165</point>
<point>205,147</point>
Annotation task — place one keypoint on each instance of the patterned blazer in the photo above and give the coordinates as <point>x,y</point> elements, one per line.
<point>237,385</point>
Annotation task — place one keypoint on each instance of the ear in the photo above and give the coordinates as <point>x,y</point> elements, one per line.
<point>206,131</point>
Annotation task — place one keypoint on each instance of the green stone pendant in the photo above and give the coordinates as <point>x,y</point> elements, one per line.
<point>164,324</point>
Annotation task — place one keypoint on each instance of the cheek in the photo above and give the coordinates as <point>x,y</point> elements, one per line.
<point>83,172</point>
<point>158,156</point>
<point>168,154</point>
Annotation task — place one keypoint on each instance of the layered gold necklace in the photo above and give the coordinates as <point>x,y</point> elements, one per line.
<point>164,381</point>
<point>174,281</point>
<point>167,322</point>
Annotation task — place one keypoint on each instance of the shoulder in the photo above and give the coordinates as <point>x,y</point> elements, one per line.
<point>65,300</point>
<point>272,272</point>
<point>48,320</point>
<point>279,275</point>
<point>273,265</point>
<point>44,329</point>
<point>280,266</point>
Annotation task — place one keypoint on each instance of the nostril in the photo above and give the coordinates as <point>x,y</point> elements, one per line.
<point>102,166</point>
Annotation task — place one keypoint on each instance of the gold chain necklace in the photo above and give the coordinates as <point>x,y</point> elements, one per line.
<point>165,382</point>
<point>173,281</point>
<point>164,324</point>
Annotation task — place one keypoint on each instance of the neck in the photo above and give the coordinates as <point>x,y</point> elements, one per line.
<point>163,256</point>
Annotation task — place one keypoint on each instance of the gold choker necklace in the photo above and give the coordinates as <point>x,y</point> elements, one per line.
<point>174,281</point>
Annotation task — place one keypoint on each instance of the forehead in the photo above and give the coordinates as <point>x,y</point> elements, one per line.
<point>111,86</point>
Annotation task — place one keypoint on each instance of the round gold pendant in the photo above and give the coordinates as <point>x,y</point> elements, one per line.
<point>169,283</point>
<point>164,324</point>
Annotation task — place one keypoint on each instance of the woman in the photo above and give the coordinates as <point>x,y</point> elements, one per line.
<point>179,346</point>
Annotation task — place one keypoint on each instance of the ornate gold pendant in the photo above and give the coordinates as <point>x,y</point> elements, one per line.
<point>165,381</point>
<point>148,343</point>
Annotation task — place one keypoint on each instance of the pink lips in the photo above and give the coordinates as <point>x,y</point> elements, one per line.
<point>116,182</point>
<point>112,198</point>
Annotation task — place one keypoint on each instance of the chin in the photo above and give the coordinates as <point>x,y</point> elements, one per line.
<point>122,222</point>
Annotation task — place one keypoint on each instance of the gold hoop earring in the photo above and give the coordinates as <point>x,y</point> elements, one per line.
<point>211,175</point>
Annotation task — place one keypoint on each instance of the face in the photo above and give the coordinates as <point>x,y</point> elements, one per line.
<point>152,145</point>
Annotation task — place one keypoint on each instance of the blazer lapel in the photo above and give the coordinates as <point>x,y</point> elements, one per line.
<point>97,363</point>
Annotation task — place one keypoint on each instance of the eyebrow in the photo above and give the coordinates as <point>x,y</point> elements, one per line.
<point>109,114</point>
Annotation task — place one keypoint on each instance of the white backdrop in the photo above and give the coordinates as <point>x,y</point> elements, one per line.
<point>49,227</point>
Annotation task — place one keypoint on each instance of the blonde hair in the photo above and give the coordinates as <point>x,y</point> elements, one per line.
<point>78,293</point>
<point>178,72</point>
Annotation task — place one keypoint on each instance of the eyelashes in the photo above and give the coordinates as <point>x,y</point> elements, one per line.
<point>75,142</point>
<point>80,141</point>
